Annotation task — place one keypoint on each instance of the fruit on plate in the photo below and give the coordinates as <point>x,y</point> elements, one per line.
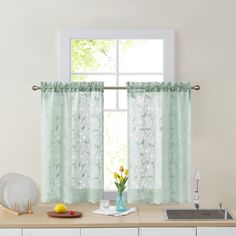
<point>60,208</point>
<point>71,213</point>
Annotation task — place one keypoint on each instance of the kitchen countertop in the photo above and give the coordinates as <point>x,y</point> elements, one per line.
<point>147,216</point>
<point>40,219</point>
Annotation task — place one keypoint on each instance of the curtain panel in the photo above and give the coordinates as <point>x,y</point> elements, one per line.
<point>159,142</point>
<point>72,142</point>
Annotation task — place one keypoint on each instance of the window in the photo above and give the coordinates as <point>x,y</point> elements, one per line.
<point>116,56</point>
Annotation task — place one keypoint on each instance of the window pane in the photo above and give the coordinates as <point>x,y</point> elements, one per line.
<point>141,55</point>
<point>123,99</point>
<point>109,99</point>
<point>109,80</point>
<point>93,55</point>
<point>115,145</point>
<point>135,78</point>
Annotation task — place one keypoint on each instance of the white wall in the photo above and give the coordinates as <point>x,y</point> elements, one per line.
<point>205,55</point>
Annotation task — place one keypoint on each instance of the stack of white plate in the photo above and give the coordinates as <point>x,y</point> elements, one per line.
<point>17,189</point>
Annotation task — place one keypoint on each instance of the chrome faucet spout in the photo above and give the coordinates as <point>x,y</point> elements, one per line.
<point>221,206</point>
<point>196,191</point>
<point>196,206</point>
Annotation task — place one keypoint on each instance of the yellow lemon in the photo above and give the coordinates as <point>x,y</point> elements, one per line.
<point>60,208</point>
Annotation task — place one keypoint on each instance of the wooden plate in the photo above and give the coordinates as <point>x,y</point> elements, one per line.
<point>66,214</point>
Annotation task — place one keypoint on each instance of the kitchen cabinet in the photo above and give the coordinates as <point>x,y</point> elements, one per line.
<point>10,232</point>
<point>109,231</point>
<point>143,231</point>
<point>163,231</point>
<point>51,232</point>
<point>216,231</point>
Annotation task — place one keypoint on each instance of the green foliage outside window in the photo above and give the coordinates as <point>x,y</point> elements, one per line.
<point>92,54</point>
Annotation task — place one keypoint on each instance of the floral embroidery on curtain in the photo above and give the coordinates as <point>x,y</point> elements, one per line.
<point>72,141</point>
<point>159,141</point>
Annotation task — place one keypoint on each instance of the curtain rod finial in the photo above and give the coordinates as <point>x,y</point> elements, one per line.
<point>35,87</point>
<point>196,87</point>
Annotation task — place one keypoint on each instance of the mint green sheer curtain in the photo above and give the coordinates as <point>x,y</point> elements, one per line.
<point>159,142</point>
<point>72,142</point>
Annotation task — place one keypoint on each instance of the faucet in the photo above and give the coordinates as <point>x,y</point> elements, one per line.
<point>196,191</point>
<point>221,206</point>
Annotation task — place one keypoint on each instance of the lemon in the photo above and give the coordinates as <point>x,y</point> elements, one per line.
<point>60,208</point>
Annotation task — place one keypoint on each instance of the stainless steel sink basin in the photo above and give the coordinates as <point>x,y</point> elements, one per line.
<point>201,214</point>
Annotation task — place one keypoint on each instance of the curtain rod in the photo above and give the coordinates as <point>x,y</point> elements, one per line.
<point>35,87</point>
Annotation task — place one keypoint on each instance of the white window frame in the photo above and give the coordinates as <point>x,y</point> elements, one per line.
<point>65,37</point>
<point>167,35</point>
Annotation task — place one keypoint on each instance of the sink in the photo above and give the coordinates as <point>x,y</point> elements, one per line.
<point>201,214</point>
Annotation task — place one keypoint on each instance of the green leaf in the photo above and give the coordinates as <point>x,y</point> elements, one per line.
<point>116,185</point>
<point>125,180</point>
